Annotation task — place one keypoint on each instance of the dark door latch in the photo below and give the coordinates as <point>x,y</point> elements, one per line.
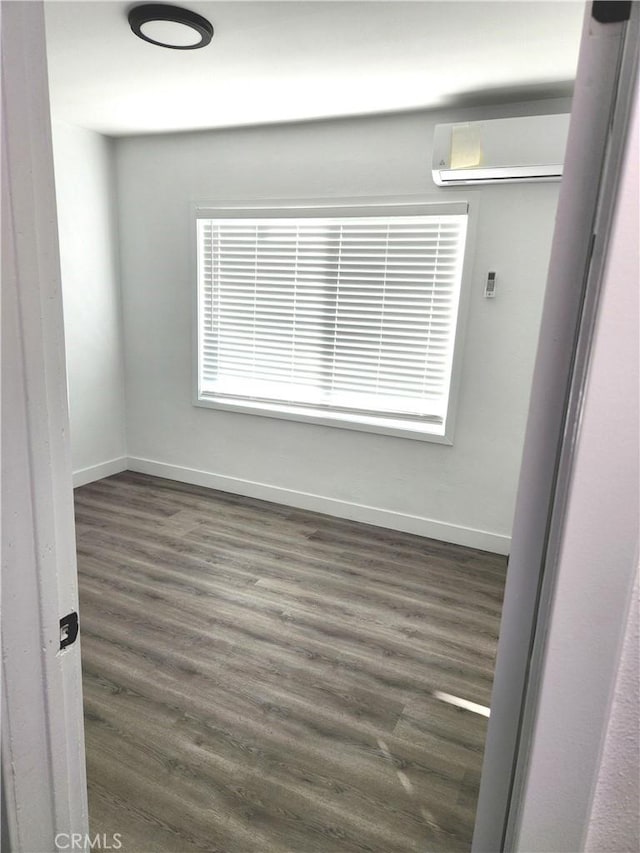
<point>68,629</point>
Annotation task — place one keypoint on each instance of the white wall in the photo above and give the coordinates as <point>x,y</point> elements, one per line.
<point>85,191</point>
<point>463,493</point>
<point>614,823</point>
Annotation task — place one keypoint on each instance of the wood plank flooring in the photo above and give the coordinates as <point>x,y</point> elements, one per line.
<point>259,679</point>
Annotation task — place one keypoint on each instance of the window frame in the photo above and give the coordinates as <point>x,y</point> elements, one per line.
<point>360,206</point>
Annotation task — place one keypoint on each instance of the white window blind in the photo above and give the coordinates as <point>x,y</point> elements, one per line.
<point>342,314</point>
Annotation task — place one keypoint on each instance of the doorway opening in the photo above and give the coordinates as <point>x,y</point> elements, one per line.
<point>301,658</point>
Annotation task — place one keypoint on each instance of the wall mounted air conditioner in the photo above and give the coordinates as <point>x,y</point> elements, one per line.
<point>500,151</point>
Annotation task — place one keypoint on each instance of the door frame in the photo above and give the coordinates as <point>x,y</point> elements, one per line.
<point>44,789</point>
<point>43,765</point>
<point>600,116</point>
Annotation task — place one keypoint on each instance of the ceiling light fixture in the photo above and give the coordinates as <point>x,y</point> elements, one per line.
<point>170,26</point>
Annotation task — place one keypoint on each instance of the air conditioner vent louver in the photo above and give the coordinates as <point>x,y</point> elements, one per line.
<point>528,148</point>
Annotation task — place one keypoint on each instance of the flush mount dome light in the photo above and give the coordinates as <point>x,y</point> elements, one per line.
<point>170,26</point>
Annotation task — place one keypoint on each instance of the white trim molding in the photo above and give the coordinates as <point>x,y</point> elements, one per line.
<point>96,472</point>
<point>470,537</point>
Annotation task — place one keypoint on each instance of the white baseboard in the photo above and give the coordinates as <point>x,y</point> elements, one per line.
<point>97,472</point>
<point>482,539</point>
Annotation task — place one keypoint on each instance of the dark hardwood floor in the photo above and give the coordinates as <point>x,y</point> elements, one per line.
<point>259,679</point>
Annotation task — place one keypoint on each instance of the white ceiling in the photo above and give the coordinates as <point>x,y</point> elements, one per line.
<point>278,61</point>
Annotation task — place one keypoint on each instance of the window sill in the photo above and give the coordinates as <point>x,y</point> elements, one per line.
<point>433,432</point>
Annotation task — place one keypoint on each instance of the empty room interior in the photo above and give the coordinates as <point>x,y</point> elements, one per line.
<point>304,249</point>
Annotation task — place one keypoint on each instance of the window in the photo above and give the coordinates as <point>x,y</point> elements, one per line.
<point>346,319</point>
